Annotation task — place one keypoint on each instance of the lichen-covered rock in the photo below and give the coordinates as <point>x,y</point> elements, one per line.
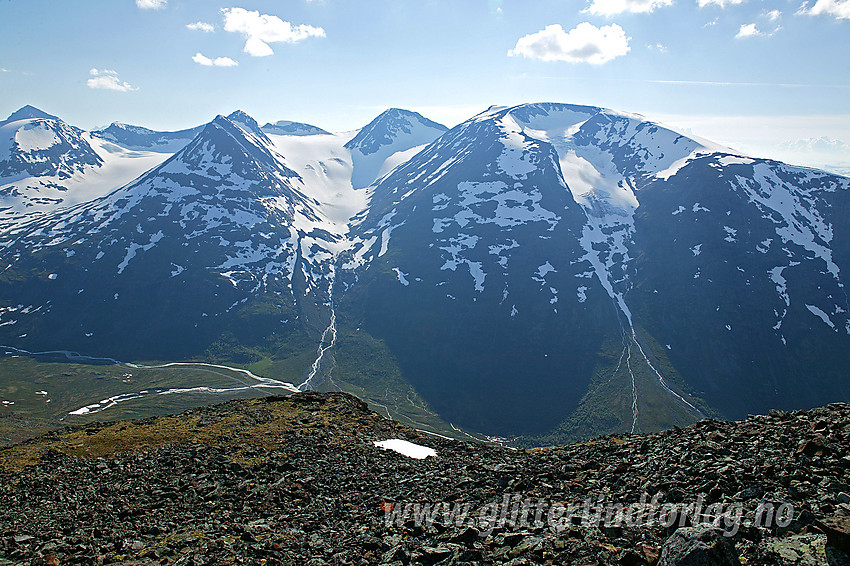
<point>799,550</point>
<point>698,546</point>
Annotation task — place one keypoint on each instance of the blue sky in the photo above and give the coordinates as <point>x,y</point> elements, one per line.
<point>769,77</point>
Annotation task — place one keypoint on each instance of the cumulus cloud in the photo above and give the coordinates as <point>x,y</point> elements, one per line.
<point>721,3</point>
<point>839,9</point>
<point>773,15</point>
<point>200,26</point>
<point>201,59</point>
<point>261,29</point>
<point>151,4</point>
<point>585,43</point>
<point>108,79</point>
<point>614,7</point>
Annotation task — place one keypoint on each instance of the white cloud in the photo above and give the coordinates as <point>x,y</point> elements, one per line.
<point>217,62</point>
<point>585,43</point>
<point>751,30</point>
<point>721,3</point>
<point>108,79</point>
<point>200,26</point>
<point>261,29</point>
<point>657,47</point>
<point>257,47</point>
<point>614,7</point>
<point>151,4</point>
<point>773,15</point>
<point>748,30</point>
<point>840,9</point>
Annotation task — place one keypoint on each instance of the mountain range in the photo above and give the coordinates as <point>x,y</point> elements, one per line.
<point>543,271</point>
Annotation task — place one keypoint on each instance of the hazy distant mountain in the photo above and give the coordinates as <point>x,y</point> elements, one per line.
<point>140,138</point>
<point>287,128</point>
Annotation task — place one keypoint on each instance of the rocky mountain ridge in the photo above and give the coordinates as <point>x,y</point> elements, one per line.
<point>299,480</point>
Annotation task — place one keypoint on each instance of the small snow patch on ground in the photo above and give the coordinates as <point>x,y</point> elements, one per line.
<point>401,276</point>
<point>406,448</point>
<point>735,160</point>
<point>696,249</point>
<point>821,315</point>
<point>52,276</point>
<point>545,269</point>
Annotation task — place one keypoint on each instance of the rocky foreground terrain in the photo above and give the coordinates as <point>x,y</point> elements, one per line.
<point>299,480</point>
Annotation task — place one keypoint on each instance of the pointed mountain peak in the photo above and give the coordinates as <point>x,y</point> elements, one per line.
<point>229,145</point>
<point>289,128</point>
<point>392,125</point>
<point>394,114</point>
<point>244,121</point>
<point>28,112</point>
<point>394,131</point>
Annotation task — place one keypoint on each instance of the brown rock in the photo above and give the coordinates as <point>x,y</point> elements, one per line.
<point>837,531</point>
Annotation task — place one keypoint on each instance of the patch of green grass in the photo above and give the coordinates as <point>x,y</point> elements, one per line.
<point>70,386</point>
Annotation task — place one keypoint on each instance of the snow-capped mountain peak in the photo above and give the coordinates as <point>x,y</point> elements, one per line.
<point>248,124</point>
<point>392,125</point>
<point>40,146</point>
<point>392,132</point>
<point>27,112</point>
